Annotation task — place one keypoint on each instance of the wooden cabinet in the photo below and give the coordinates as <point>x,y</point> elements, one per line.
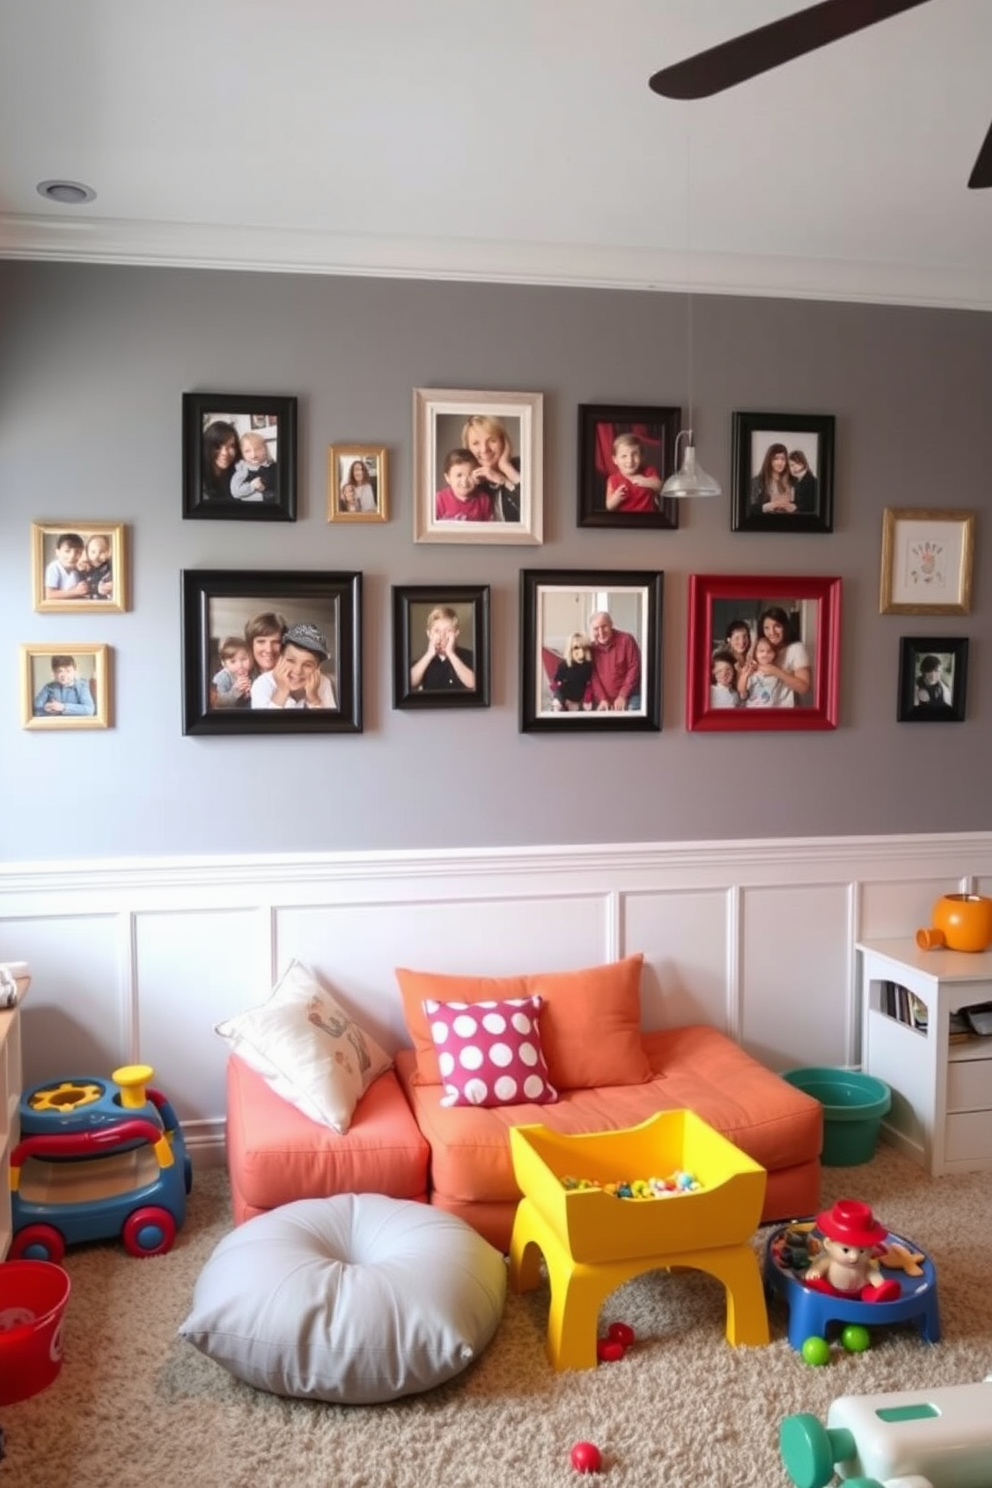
<point>9,1098</point>
<point>941,1090</point>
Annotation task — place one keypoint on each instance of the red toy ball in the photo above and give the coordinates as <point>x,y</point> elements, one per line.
<point>586,1457</point>
<point>621,1333</point>
<point>609,1350</point>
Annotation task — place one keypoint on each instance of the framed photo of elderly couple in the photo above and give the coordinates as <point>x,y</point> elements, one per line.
<point>783,465</point>
<point>271,653</point>
<point>591,650</point>
<point>763,653</point>
<point>478,467</point>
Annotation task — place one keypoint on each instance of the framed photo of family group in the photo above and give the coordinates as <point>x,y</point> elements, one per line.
<point>357,483</point>
<point>783,470</point>
<point>80,566</point>
<point>763,653</point>
<point>271,653</point>
<point>65,686</point>
<point>590,650</point>
<point>625,456</point>
<point>239,457</point>
<point>441,646</point>
<point>927,560</point>
<point>478,467</point>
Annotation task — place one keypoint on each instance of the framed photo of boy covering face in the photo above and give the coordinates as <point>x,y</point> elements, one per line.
<point>239,457</point>
<point>625,456</point>
<point>80,566</point>
<point>477,467</point>
<point>591,651</point>
<point>933,679</point>
<point>357,489</point>
<point>763,653</point>
<point>783,466</point>
<point>441,646</point>
<point>65,686</point>
<point>271,653</point>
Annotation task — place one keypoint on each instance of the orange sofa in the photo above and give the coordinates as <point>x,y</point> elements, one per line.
<point>695,1068</point>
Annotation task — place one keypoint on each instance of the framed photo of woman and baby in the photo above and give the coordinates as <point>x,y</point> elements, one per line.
<point>478,467</point>
<point>763,653</point>
<point>239,457</point>
<point>783,466</point>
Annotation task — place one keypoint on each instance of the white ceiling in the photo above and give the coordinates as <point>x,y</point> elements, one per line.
<point>514,140</point>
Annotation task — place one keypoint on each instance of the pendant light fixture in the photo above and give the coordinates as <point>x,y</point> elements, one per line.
<point>690,479</point>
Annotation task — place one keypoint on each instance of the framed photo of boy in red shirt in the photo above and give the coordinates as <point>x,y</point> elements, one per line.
<point>625,456</point>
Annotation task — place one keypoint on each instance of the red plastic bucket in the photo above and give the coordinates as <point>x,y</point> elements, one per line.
<point>33,1299</point>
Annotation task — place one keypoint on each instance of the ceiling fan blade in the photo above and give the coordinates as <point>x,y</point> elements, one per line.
<point>758,51</point>
<point>981,172</point>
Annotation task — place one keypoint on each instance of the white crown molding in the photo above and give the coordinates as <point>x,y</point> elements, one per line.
<point>193,245</point>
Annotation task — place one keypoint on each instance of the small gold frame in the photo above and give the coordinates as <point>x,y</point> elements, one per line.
<point>927,560</point>
<point>92,663</point>
<point>341,461</point>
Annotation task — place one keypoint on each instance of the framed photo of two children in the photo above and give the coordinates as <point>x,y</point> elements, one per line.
<point>79,565</point>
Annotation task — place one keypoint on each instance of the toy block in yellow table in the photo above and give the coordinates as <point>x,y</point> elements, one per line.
<point>592,1241</point>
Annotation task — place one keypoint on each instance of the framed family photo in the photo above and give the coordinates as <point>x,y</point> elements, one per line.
<point>239,457</point>
<point>271,653</point>
<point>927,560</point>
<point>590,650</point>
<point>441,646</point>
<point>80,566</point>
<point>933,679</point>
<point>783,469</point>
<point>65,686</point>
<point>357,485</point>
<point>625,456</point>
<point>763,653</point>
<point>478,462</point>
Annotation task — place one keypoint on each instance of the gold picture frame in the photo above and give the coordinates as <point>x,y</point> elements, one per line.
<point>73,695</point>
<point>346,499</point>
<point>77,591</point>
<point>927,561</point>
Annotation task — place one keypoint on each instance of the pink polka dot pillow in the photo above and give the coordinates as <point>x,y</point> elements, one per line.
<point>489,1053</point>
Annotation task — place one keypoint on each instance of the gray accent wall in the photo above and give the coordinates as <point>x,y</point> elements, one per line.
<point>93,366</point>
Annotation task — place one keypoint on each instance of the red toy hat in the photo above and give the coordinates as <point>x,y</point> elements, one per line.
<point>851,1223</point>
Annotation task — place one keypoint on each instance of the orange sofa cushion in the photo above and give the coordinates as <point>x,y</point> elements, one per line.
<point>590,1021</point>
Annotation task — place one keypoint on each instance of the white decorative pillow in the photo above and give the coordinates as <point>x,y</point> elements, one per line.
<point>307,1048</point>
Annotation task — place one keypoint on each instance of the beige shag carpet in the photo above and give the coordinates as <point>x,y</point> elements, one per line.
<point>134,1405</point>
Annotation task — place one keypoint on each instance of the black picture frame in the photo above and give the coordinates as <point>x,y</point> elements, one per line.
<point>221,604</point>
<point>810,435</point>
<point>556,604</point>
<point>413,613</point>
<point>916,679</point>
<point>656,430</point>
<point>207,417</point>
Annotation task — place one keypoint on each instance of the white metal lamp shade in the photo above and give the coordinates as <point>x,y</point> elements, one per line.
<point>690,479</point>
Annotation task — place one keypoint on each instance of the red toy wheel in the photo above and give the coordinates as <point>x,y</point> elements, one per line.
<point>149,1231</point>
<point>37,1242</point>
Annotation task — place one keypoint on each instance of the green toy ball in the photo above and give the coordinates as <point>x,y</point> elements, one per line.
<point>855,1338</point>
<point>816,1350</point>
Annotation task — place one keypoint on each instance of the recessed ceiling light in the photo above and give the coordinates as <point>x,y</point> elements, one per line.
<point>66,193</point>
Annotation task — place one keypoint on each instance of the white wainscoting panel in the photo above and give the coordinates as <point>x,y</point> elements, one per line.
<point>137,959</point>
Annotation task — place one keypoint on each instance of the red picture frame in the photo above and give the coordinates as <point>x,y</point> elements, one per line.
<point>808,649</point>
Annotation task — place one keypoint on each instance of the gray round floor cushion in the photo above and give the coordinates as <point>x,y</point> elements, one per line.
<point>356,1298</point>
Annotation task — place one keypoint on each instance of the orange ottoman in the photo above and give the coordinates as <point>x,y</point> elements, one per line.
<point>276,1155</point>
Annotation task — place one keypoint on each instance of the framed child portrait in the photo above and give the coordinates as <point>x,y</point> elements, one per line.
<point>625,456</point>
<point>271,653</point>
<point>783,465</point>
<point>239,457</point>
<point>933,679</point>
<point>477,467</point>
<point>441,646</point>
<point>763,653</point>
<point>591,650</point>
<point>65,686</point>
<point>357,488</point>
<point>80,566</point>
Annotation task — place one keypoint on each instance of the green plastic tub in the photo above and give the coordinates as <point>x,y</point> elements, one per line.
<point>853,1107</point>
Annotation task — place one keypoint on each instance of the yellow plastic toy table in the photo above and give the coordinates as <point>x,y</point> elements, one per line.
<point>592,1242</point>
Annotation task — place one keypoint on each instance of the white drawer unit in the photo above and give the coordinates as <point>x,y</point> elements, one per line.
<point>941,1089</point>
